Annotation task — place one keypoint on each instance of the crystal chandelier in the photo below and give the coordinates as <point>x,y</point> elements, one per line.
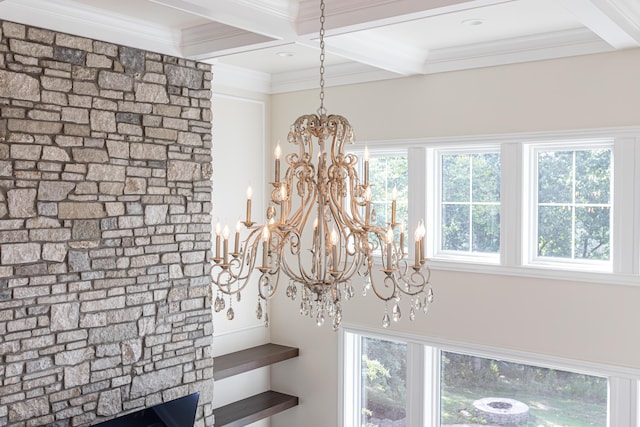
<point>320,232</point>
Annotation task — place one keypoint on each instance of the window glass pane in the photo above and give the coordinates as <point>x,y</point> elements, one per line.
<point>592,233</point>
<point>476,390</point>
<point>470,203</point>
<point>574,204</point>
<point>486,177</point>
<point>593,176</point>
<point>486,228</point>
<point>455,178</point>
<point>455,231</point>
<point>554,231</point>
<point>384,383</point>
<point>555,177</point>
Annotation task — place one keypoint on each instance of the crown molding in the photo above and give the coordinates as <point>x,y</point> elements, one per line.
<point>520,49</point>
<point>63,15</point>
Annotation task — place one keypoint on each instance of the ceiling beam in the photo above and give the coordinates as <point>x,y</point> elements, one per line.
<point>272,23</point>
<point>616,21</point>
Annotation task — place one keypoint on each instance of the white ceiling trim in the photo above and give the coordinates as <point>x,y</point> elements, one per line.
<point>608,21</point>
<point>378,52</point>
<point>355,15</point>
<point>239,15</point>
<point>521,49</point>
<point>93,23</point>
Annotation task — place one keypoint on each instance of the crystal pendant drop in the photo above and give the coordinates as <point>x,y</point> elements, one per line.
<point>367,285</point>
<point>412,314</point>
<point>259,311</point>
<point>238,297</point>
<point>348,292</point>
<point>266,320</point>
<point>417,303</point>
<point>301,308</point>
<point>331,309</point>
<point>320,318</point>
<point>395,312</point>
<point>386,321</point>
<point>230,313</point>
<point>294,292</point>
<point>289,291</point>
<point>430,295</point>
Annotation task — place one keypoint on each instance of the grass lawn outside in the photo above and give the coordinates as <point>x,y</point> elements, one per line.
<point>544,410</point>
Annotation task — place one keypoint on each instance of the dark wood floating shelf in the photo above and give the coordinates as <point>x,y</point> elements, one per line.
<point>252,358</point>
<point>253,408</point>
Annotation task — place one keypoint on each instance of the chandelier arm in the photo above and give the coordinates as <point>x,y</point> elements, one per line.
<point>246,259</point>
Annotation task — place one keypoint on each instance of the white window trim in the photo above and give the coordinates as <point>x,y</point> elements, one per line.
<point>423,376</point>
<point>436,226</point>
<point>625,234</point>
<point>530,173</point>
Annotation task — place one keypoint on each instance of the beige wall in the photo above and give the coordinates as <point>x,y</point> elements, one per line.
<point>583,321</point>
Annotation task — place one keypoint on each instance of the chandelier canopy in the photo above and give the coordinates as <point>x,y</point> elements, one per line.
<point>320,232</point>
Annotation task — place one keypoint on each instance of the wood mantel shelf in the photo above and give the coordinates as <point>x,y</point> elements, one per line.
<point>254,408</point>
<point>252,358</point>
<point>263,405</point>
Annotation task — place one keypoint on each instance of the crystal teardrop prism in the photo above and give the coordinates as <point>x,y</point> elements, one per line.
<point>386,321</point>
<point>266,320</point>
<point>395,312</point>
<point>259,311</point>
<point>294,292</point>
<point>430,295</point>
<point>230,313</point>
<point>320,318</point>
<point>238,297</point>
<point>412,314</point>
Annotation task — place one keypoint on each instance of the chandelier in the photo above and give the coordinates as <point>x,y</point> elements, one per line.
<point>320,232</point>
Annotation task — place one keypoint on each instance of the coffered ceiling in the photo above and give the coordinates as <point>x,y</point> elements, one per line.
<point>272,45</point>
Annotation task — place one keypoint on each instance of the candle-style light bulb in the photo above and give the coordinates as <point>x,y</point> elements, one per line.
<point>367,198</point>
<point>334,249</point>
<point>278,153</point>
<point>389,242</point>
<point>236,248</point>
<point>366,166</point>
<point>394,196</point>
<point>423,232</point>
<point>218,230</point>
<point>225,236</point>
<point>402,237</point>
<point>265,245</point>
<point>417,238</point>
<point>249,194</point>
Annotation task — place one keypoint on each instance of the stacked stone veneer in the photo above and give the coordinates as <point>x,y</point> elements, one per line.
<point>104,229</point>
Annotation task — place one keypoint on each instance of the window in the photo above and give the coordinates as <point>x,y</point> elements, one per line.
<point>408,382</point>
<point>470,202</point>
<point>573,205</point>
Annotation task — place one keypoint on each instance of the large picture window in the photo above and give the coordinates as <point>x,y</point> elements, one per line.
<point>392,381</point>
<point>574,203</point>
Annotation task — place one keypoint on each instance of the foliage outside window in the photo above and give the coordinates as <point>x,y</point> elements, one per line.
<point>384,391</point>
<point>470,202</point>
<point>386,173</point>
<point>574,204</point>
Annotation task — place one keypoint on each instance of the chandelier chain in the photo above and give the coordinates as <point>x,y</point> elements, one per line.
<point>322,110</point>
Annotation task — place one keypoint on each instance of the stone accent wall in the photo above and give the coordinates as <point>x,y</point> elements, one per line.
<point>105,229</point>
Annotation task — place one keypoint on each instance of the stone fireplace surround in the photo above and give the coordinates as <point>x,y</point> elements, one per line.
<point>105,229</point>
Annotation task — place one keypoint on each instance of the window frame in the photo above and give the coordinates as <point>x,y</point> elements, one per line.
<point>423,376</point>
<point>437,251</point>
<point>530,247</point>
